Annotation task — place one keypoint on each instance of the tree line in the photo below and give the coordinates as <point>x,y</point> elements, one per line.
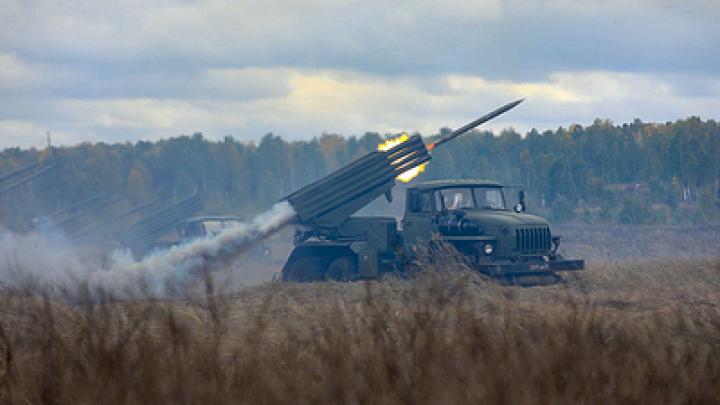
<point>635,173</point>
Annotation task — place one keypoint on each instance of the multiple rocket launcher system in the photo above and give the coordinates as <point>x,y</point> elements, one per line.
<point>331,243</point>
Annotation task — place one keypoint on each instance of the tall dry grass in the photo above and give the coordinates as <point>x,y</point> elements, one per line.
<point>622,242</point>
<point>636,332</point>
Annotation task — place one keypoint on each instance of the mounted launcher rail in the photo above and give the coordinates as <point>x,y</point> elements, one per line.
<point>24,175</point>
<point>325,204</point>
<point>328,202</point>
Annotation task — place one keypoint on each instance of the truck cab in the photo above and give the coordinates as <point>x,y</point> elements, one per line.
<point>476,218</point>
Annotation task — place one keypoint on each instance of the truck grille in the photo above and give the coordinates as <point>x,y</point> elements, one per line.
<point>532,239</point>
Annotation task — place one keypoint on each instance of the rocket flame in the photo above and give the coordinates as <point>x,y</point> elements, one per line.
<point>407,176</point>
<point>412,173</point>
<point>391,143</point>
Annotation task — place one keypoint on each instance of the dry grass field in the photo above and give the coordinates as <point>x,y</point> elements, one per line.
<point>630,332</point>
<point>622,242</point>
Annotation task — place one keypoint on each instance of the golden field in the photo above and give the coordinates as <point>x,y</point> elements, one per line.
<point>632,331</point>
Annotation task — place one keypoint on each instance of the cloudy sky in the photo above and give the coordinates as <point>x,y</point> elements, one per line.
<point>96,70</point>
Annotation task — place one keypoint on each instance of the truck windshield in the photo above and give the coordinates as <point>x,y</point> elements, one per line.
<point>216,226</point>
<point>472,198</point>
<point>489,198</point>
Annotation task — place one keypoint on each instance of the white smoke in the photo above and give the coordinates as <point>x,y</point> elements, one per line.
<point>40,257</point>
<point>50,260</point>
<point>159,273</point>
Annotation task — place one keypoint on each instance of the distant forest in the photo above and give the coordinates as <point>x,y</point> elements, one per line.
<point>636,173</point>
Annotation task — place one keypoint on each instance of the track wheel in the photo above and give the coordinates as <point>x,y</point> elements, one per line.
<point>344,268</point>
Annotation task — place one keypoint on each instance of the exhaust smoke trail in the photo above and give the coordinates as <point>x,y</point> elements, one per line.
<point>160,273</point>
<point>48,260</point>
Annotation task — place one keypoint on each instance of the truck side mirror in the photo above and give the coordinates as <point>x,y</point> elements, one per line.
<point>521,206</point>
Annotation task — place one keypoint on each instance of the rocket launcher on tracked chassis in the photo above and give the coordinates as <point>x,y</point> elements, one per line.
<point>470,216</point>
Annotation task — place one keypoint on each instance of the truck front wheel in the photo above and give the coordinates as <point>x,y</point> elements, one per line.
<point>344,268</point>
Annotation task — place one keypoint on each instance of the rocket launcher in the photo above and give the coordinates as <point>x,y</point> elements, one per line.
<point>330,201</point>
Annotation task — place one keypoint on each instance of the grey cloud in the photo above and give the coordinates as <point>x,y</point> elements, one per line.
<point>243,84</point>
<point>517,39</point>
<point>96,70</point>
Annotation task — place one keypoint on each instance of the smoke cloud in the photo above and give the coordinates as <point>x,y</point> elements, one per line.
<point>158,274</point>
<point>50,260</point>
<point>40,257</point>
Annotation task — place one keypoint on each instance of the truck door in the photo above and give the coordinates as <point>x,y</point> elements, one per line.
<point>418,224</point>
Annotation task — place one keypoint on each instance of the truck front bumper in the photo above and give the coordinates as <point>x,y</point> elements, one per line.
<point>506,267</point>
<point>529,273</point>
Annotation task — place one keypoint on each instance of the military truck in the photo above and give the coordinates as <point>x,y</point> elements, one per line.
<point>208,226</point>
<point>469,217</point>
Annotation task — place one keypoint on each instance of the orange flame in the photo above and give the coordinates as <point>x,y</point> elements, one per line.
<point>412,173</point>
<point>407,176</point>
<point>391,143</point>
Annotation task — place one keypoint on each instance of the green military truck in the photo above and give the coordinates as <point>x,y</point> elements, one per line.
<point>471,217</point>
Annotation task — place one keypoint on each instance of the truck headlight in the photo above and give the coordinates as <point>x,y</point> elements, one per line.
<point>488,249</point>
